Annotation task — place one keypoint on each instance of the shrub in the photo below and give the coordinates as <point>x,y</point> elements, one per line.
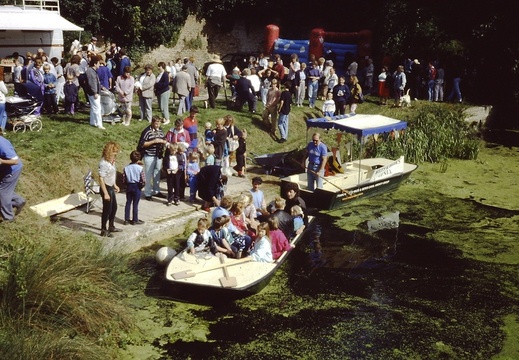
<point>58,294</point>
<point>434,133</point>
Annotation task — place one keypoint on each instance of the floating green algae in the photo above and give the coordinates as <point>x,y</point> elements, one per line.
<point>443,285</point>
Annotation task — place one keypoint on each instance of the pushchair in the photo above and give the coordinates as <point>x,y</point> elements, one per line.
<point>23,109</point>
<point>109,109</point>
<point>276,162</point>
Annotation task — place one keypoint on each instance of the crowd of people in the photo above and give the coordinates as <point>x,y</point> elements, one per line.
<point>265,79</point>
<point>203,165</point>
<point>245,226</point>
<point>58,82</point>
<point>237,227</point>
<point>102,72</point>
<point>176,151</point>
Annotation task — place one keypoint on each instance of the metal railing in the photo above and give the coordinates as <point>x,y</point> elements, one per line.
<point>50,5</point>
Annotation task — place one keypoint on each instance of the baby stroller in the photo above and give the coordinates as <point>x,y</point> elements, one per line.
<point>276,162</point>
<point>109,109</point>
<point>23,109</point>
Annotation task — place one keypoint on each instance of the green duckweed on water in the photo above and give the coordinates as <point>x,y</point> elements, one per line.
<point>442,285</point>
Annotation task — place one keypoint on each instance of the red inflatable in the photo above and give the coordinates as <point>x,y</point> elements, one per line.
<point>316,43</point>
<point>271,35</point>
<point>361,38</point>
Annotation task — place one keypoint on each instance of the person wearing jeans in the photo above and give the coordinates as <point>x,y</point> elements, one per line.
<point>151,145</point>
<point>314,74</point>
<point>10,170</point>
<point>162,91</point>
<point>108,186</point>
<point>93,88</point>
<point>133,177</point>
<point>317,154</point>
<point>284,111</point>
<point>455,94</point>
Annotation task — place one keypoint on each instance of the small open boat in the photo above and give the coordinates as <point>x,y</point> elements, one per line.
<point>204,273</point>
<point>359,178</point>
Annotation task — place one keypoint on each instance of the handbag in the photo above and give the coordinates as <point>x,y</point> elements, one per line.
<point>361,95</point>
<point>238,241</point>
<point>233,144</point>
<point>196,91</point>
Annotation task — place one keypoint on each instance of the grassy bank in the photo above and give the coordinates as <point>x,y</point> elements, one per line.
<point>65,298</point>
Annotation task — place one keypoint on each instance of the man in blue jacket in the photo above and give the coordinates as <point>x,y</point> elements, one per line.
<point>10,170</point>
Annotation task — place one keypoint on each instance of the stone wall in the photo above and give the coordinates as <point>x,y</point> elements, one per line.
<point>212,40</point>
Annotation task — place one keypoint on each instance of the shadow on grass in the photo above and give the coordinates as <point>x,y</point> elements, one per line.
<point>508,138</point>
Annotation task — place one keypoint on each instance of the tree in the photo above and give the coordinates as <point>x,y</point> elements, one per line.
<point>135,24</point>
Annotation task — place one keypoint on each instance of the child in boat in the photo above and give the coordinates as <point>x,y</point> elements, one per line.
<point>249,212</point>
<point>238,217</point>
<point>299,223</point>
<point>279,241</point>
<point>258,199</point>
<point>221,236</point>
<point>262,248</point>
<point>199,239</point>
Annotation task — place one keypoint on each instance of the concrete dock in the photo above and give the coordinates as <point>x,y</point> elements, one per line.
<point>160,221</point>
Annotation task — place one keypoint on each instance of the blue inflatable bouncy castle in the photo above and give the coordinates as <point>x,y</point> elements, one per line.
<point>289,47</point>
<point>341,48</point>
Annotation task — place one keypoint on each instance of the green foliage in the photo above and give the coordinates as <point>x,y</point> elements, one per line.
<point>20,341</point>
<point>440,132</point>
<point>435,133</point>
<point>161,19</point>
<point>58,296</point>
<point>421,37</point>
<point>137,25</point>
<point>224,10</point>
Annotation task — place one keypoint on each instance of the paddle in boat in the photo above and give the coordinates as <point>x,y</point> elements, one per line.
<point>358,178</point>
<point>216,276</point>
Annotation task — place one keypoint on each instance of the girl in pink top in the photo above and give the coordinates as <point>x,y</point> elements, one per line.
<point>279,242</point>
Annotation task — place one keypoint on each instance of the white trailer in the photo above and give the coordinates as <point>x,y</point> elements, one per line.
<point>32,25</point>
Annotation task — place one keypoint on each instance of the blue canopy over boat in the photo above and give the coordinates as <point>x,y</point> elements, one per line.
<point>358,124</point>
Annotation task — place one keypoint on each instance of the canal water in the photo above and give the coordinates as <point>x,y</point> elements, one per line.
<point>421,273</point>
